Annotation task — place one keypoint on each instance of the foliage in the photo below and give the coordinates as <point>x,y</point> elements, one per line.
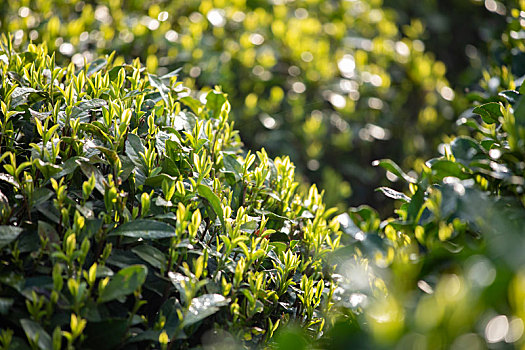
<point>451,257</point>
<point>131,217</point>
<point>333,84</point>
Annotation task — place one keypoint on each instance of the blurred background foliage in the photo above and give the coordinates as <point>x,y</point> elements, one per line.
<point>457,32</point>
<point>333,84</point>
<point>447,270</point>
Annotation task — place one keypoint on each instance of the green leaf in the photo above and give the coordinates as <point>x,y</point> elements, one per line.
<point>184,121</point>
<point>213,199</point>
<point>84,107</point>
<point>214,101</point>
<point>9,179</point>
<point>511,95</point>
<point>231,165</point>
<point>110,154</point>
<point>465,149</point>
<point>177,280</point>
<point>417,201</point>
<point>145,229</point>
<point>48,231</point>
<point>202,307</point>
<point>20,95</point>
<point>151,255</point>
<point>47,169</point>
<point>443,168</point>
<point>272,215</point>
<point>489,112</point>
<point>250,226</point>
<point>133,149</point>
<point>96,65</point>
<point>70,165</point>
<point>159,85</point>
<point>125,282</point>
<point>280,247</point>
<point>389,165</point>
<point>95,131</point>
<point>33,331</point>
<point>156,181</point>
<point>192,103</point>
<point>8,234</point>
<point>519,107</point>
<point>89,169</point>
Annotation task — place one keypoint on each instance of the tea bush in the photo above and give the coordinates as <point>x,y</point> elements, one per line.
<point>458,237</point>
<point>450,260</point>
<point>131,217</point>
<point>332,84</point>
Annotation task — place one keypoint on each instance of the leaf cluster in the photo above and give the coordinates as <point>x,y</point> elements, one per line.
<point>131,217</point>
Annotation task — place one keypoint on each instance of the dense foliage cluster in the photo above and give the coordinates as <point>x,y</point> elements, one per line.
<point>130,215</point>
<point>454,248</point>
<point>332,84</point>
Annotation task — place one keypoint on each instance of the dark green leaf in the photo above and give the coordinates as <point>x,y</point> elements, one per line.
<point>8,234</point>
<point>215,202</point>
<point>33,331</point>
<point>81,111</point>
<point>231,165</point>
<point>20,95</point>
<point>133,149</point>
<point>125,282</point>
<point>511,95</point>
<point>489,112</point>
<point>89,169</point>
<point>151,255</point>
<point>416,203</point>
<point>465,149</point>
<point>184,121</point>
<point>442,168</point>
<point>159,85</point>
<point>156,181</point>
<point>70,165</point>
<point>145,229</point>
<point>111,155</point>
<point>280,247</point>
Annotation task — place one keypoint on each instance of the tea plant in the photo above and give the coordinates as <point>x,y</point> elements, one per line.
<point>131,217</point>
<point>450,262</point>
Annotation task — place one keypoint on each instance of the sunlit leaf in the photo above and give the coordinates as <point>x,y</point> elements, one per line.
<point>204,306</point>
<point>145,229</point>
